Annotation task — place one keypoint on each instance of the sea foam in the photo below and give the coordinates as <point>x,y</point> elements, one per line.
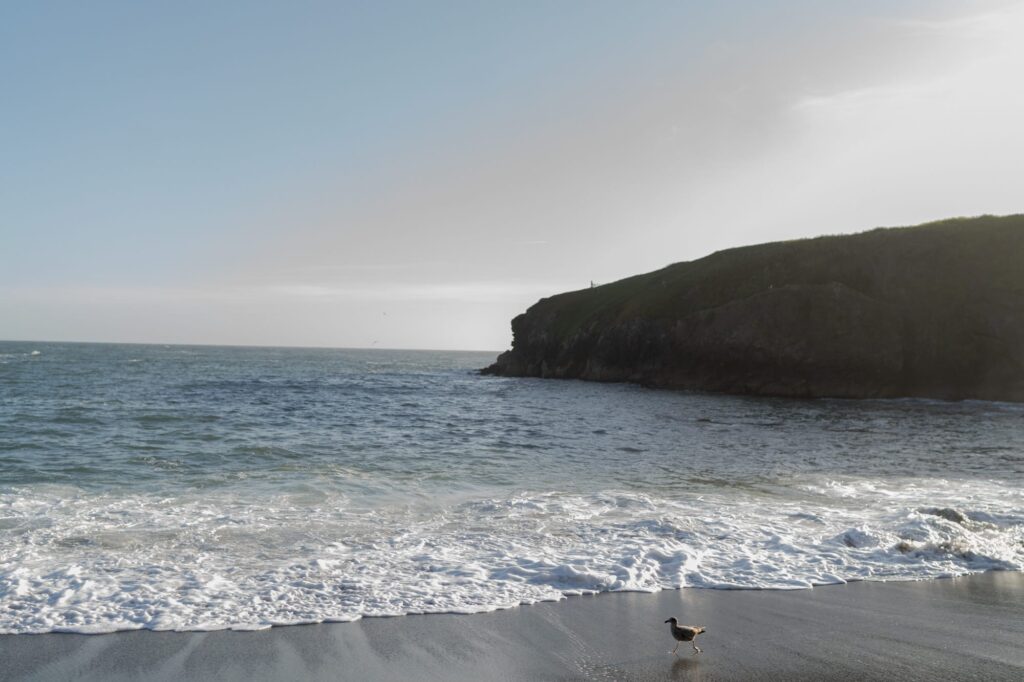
<point>86,563</point>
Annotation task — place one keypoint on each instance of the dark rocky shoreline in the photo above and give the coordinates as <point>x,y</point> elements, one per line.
<point>934,311</point>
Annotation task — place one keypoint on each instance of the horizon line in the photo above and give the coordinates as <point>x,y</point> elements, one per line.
<point>253,345</point>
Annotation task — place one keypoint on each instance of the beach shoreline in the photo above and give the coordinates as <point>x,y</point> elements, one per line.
<point>951,628</point>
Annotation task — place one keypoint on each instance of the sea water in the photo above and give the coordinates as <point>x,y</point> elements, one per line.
<point>198,488</point>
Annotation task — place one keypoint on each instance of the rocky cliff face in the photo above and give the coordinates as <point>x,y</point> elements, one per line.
<point>931,311</point>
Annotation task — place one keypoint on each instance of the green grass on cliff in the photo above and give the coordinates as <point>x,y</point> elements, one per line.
<point>944,263</point>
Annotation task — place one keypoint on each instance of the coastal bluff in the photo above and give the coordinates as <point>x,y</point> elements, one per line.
<point>932,311</point>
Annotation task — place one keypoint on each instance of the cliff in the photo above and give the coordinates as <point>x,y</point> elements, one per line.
<point>932,311</point>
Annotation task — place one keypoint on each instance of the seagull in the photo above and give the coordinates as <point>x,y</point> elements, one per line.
<point>685,633</point>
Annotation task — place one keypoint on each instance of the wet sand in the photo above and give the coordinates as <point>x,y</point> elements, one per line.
<point>956,629</point>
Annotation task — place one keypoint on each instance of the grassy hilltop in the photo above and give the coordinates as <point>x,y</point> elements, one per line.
<point>935,310</point>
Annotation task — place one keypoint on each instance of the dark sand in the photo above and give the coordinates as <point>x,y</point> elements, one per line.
<point>959,629</point>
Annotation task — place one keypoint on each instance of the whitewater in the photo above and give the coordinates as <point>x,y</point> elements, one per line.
<point>202,488</point>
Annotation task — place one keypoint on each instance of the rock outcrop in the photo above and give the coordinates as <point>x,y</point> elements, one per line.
<point>930,311</point>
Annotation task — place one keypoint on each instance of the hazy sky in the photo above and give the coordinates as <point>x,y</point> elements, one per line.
<point>413,175</point>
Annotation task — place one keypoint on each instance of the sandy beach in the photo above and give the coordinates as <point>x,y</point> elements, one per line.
<point>952,629</point>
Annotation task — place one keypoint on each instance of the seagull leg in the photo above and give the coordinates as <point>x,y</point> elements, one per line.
<point>696,649</point>
<point>674,650</point>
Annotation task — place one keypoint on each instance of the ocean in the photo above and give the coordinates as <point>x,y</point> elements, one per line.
<point>202,488</point>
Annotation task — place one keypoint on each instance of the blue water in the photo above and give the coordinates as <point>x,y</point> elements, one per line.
<point>173,487</point>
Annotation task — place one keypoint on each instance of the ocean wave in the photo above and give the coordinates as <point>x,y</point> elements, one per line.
<point>78,562</point>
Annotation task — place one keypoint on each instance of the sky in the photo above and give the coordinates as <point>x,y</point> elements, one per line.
<point>414,175</point>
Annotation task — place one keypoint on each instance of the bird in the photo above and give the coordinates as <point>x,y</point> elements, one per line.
<point>685,633</point>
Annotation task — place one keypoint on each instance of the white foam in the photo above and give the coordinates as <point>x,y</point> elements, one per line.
<point>74,562</point>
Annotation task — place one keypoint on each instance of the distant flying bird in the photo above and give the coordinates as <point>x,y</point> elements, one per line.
<point>685,633</point>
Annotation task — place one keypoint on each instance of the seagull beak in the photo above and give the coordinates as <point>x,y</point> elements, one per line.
<point>669,620</point>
